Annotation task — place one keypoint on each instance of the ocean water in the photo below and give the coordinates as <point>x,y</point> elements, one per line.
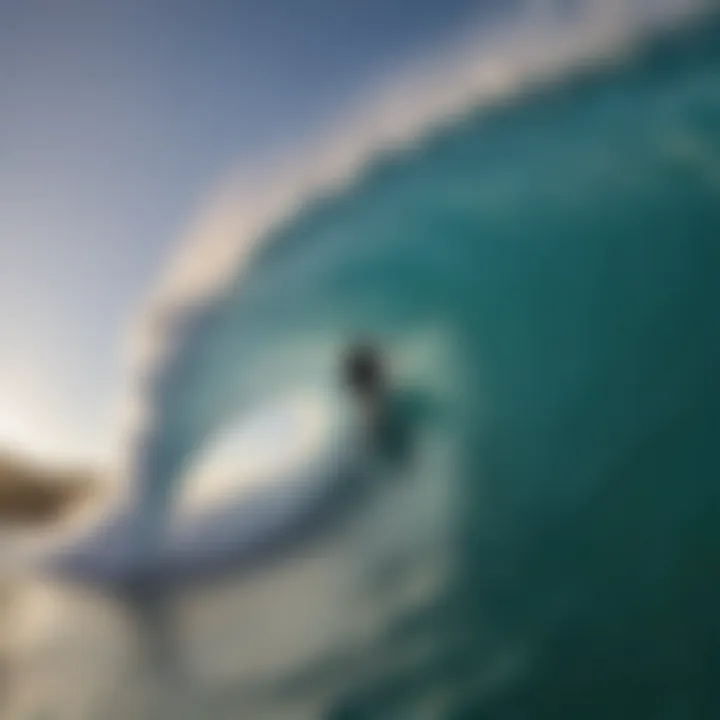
<point>547,270</point>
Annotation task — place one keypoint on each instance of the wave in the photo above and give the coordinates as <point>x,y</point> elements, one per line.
<point>536,249</point>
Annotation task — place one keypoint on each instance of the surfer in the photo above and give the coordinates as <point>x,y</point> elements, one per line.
<point>392,418</point>
<point>383,413</point>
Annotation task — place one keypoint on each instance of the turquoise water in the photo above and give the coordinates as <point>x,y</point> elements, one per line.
<point>548,271</point>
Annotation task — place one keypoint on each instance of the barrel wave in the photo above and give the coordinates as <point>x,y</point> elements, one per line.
<point>548,271</point>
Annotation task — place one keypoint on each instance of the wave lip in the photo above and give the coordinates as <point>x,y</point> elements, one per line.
<point>541,45</point>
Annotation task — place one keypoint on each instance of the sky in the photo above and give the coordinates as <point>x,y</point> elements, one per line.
<point>116,120</point>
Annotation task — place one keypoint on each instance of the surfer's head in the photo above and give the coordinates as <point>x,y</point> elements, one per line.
<point>362,370</point>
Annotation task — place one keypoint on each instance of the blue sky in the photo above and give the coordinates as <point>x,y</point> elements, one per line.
<point>116,118</point>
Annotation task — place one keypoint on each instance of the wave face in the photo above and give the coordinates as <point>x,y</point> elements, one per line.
<point>550,271</point>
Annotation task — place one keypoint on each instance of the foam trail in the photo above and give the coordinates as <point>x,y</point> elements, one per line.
<point>200,353</point>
